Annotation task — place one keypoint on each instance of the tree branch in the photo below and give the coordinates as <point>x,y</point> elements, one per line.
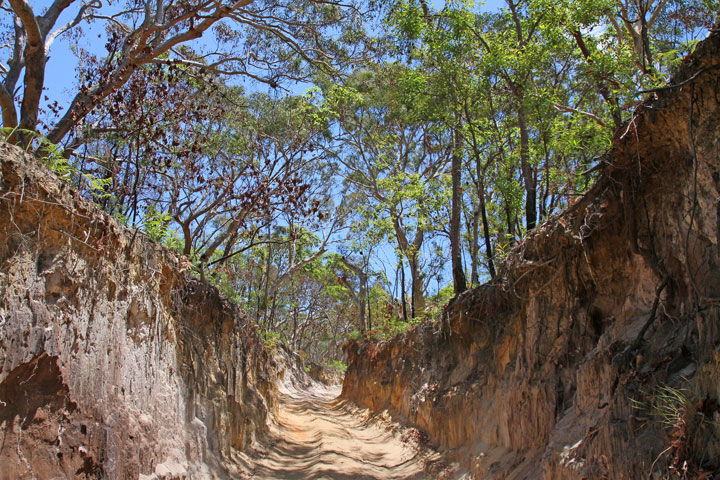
<point>567,109</point>
<point>34,64</point>
<point>655,14</point>
<point>9,114</point>
<point>15,64</point>
<point>135,57</point>
<point>71,24</point>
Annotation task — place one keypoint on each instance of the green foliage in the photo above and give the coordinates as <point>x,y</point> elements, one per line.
<point>671,405</point>
<point>337,365</point>
<point>53,157</point>
<point>307,309</point>
<point>437,303</point>
<point>272,340</point>
<point>156,223</point>
<point>121,218</point>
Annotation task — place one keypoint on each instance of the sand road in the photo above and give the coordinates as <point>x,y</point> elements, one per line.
<point>317,436</point>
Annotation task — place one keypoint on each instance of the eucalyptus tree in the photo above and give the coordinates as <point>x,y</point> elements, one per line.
<point>442,44</point>
<point>392,157</point>
<point>509,87</point>
<point>546,101</point>
<point>358,289</point>
<point>269,41</point>
<point>454,47</point>
<point>218,164</point>
<point>624,46</point>
<point>514,53</point>
<point>655,33</point>
<point>307,309</point>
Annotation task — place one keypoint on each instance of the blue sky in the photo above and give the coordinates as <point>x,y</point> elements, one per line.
<point>60,73</point>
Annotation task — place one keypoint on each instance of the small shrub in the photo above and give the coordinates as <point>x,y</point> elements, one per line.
<point>683,418</point>
<point>272,340</point>
<point>337,365</point>
<point>52,156</point>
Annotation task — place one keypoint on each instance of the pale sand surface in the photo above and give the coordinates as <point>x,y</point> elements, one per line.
<point>318,437</point>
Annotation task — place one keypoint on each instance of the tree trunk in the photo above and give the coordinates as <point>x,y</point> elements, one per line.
<point>486,231</point>
<point>360,297</point>
<point>362,310</point>
<point>417,305</point>
<point>412,253</point>
<point>293,344</point>
<point>459,281</point>
<point>402,290</point>
<point>528,171</point>
<point>480,170</point>
<point>474,245</point>
<point>266,288</point>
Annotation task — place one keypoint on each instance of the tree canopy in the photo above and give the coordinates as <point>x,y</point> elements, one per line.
<point>379,156</point>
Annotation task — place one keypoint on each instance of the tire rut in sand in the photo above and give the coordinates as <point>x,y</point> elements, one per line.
<point>318,436</point>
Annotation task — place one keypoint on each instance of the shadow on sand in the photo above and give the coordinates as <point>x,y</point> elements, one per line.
<point>317,436</point>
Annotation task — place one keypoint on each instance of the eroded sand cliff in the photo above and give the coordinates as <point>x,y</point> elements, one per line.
<point>114,362</point>
<point>561,366</point>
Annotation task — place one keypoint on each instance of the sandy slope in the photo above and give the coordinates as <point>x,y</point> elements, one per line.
<point>318,436</point>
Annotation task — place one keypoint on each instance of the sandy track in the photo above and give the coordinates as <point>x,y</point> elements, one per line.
<point>317,436</point>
